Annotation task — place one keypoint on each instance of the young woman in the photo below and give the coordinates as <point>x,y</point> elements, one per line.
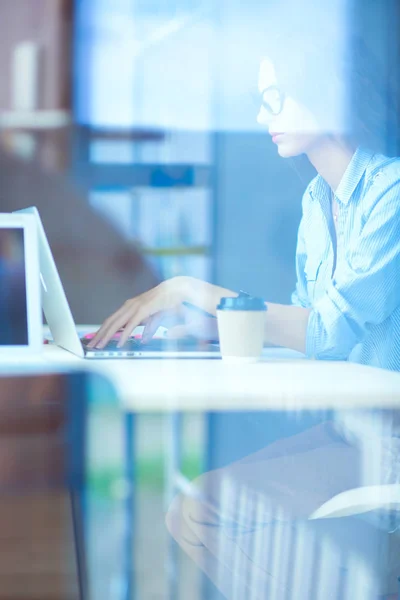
<point>347,300</point>
<point>247,525</point>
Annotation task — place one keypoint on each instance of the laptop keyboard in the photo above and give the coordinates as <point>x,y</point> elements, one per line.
<point>131,344</point>
<point>154,345</point>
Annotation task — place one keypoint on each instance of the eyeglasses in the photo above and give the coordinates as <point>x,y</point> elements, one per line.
<point>273,99</point>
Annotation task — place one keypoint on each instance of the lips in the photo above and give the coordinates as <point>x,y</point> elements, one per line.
<point>276,136</point>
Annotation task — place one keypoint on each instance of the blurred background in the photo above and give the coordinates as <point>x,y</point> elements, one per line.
<point>148,111</point>
<point>131,125</point>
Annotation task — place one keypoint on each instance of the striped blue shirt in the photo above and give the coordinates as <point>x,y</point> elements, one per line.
<point>355,311</point>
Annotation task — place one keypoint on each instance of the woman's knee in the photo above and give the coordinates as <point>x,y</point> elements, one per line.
<point>173,516</point>
<point>186,515</point>
<point>178,524</point>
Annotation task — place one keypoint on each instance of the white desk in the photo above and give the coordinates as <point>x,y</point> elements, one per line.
<point>170,386</point>
<point>202,385</point>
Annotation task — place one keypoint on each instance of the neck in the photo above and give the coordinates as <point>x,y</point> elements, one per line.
<point>331,158</point>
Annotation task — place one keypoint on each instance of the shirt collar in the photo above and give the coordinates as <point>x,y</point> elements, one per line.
<point>351,178</point>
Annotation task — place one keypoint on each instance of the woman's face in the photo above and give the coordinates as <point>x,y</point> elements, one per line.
<point>292,126</point>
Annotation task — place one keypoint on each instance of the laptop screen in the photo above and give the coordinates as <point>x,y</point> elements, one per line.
<point>13,303</point>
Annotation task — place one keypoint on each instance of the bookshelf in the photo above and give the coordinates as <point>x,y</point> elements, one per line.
<point>35,120</point>
<point>35,98</point>
<point>163,206</point>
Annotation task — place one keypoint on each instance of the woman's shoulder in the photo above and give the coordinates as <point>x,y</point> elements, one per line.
<point>383,170</point>
<point>382,187</point>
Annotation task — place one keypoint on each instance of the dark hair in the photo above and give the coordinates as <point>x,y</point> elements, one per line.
<point>373,107</point>
<point>321,69</point>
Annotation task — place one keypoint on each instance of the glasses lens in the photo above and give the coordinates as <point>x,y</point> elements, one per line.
<point>272,100</point>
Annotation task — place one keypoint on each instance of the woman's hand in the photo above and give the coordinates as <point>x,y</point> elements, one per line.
<point>183,322</point>
<point>153,306</point>
<point>165,297</point>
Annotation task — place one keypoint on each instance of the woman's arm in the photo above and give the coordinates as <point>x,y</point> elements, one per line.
<point>204,295</point>
<point>287,326</point>
<point>167,297</point>
<point>365,289</point>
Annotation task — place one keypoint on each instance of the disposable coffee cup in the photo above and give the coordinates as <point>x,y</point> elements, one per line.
<point>241,323</point>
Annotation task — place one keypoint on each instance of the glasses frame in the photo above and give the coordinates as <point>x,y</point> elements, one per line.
<point>282,98</point>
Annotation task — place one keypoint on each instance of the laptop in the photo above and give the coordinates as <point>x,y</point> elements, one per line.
<point>63,329</point>
<point>20,314</point>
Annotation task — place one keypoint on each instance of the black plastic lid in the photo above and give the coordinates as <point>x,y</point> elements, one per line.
<point>242,302</point>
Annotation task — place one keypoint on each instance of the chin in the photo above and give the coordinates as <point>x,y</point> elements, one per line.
<point>295,145</point>
<point>289,150</point>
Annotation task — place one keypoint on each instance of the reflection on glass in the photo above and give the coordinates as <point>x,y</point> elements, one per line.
<point>258,529</point>
<point>13,308</point>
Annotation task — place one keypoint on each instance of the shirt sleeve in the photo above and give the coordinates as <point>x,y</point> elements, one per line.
<point>366,288</point>
<point>300,296</point>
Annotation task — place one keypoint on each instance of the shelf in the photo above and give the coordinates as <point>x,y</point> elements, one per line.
<point>105,176</point>
<point>176,251</point>
<point>133,134</point>
<point>39,120</point>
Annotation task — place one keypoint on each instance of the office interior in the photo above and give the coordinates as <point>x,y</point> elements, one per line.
<point>131,126</point>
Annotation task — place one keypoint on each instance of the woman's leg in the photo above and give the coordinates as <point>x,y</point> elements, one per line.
<point>219,573</point>
<point>339,559</point>
<point>293,485</point>
<point>246,526</point>
<point>318,436</point>
<point>231,570</point>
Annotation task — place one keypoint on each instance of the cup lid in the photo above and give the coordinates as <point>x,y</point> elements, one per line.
<point>242,302</point>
